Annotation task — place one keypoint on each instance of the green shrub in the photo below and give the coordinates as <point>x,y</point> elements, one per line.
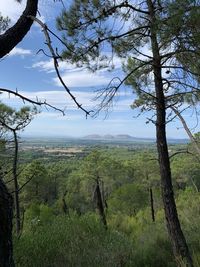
<point>75,241</point>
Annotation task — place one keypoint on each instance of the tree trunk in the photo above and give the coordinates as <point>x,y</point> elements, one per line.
<point>6,215</point>
<point>103,196</point>
<point>151,199</point>
<point>16,185</point>
<point>180,248</point>
<point>15,34</point>
<point>64,204</point>
<point>152,204</point>
<point>8,41</point>
<point>99,202</point>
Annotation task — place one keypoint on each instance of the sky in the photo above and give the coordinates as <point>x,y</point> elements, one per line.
<point>32,74</point>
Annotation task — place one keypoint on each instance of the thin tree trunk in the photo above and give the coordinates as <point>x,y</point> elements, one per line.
<point>152,204</point>
<point>21,222</point>
<point>100,205</point>
<point>16,33</point>
<point>6,215</point>
<point>55,188</point>
<point>16,185</point>
<point>103,196</point>
<point>180,248</point>
<point>64,204</point>
<point>151,199</point>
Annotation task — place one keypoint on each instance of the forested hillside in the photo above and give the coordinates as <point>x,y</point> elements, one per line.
<point>64,222</point>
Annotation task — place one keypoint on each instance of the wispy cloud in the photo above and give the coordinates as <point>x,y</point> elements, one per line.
<point>75,76</point>
<point>48,66</point>
<point>18,51</point>
<point>56,98</point>
<point>62,100</point>
<point>83,78</point>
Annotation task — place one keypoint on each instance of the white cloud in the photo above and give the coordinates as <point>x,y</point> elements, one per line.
<point>83,78</point>
<point>59,99</point>
<point>62,100</point>
<point>12,9</point>
<point>18,51</point>
<point>74,76</point>
<point>48,66</point>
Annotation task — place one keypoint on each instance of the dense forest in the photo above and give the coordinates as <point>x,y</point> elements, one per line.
<point>64,222</point>
<point>110,204</point>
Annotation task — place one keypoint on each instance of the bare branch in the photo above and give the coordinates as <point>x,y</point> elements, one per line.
<point>28,181</point>
<point>55,58</point>
<point>24,98</point>
<point>180,152</point>
<point>192,138</point>
<point>110,91</point>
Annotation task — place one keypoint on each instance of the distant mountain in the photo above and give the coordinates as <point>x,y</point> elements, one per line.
<point>93,136</point>
<point>128,138</point>
<point>110,137</point>
<point>124,136</point>
<point>119,138</point>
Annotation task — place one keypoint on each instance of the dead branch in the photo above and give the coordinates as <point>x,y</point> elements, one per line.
<point>26,99</point>
<point>24,184</point>
<point>192,138</point>
<point>55,58</point>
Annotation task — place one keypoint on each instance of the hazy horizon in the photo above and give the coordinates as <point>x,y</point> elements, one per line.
<point>90,135</point>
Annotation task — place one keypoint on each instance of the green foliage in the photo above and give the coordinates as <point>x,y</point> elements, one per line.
<point>93,23</point>
<point>81,183</point>
<point>78,238</point>
<point>75,241</point>
<point>128,199</point>
<point>4,23</point>
<point>37,188</point>
<point>89,26</point>
<point>37,215</point>
<point>185,171</point>
<point>15,120</point>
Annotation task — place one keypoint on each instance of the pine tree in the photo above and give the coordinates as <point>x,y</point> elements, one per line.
<point>150,37</point>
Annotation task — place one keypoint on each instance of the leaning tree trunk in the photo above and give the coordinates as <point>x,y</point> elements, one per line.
<point>16,33</point>
<point>180,248</point>
<point>192,138</point>
<point>6,215</point>
<point>16,185</point>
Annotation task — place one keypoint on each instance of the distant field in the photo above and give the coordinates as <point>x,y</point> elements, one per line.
<point>81,142</point>
<point>63,150</point>
<point>55,149</point>
<point>76,145</point>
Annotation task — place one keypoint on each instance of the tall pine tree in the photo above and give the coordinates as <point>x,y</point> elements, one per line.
<point>152,39</point>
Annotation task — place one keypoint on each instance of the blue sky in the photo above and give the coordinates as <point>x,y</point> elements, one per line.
<point>33,75</point>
